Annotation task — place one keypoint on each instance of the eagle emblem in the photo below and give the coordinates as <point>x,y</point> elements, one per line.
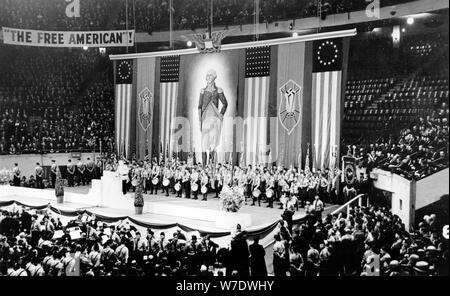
<point>145,114</point>
<point>289,109</point>
<point>208,43</point>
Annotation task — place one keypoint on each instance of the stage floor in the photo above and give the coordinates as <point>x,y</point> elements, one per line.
<point>261,215</point>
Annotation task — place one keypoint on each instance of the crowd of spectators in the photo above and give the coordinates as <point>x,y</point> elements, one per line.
<point>153,15</point>
<point>38,243</point>
<point>51,15</point>
<point>46,105</point>
<point>420,149</point>
<point>192,14</point>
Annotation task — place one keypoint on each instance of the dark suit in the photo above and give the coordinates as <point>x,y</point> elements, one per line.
<point>257,261</point>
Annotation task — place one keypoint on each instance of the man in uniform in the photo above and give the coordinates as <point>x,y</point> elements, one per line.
<point>218,183</point>
<point>123,171</point>
<point>166,176</point>
<point>99,168</point>
<point>186,183</point>
<point>81,168</point>
<point>318,208</point>
<point>70,173</point>
<point>256,185</point>
<point>323,186</point>
<point>204,183</point>
<point>89,170</point>
<point>271,187</point>
<point>154,178</point>
<point>17,173</point>
<point>53,172</point>
<point>303,190</point>
<point>195,180</point>
<point>39,172</point>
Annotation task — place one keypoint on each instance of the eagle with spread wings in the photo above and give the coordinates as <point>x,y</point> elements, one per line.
<point>206,43</point>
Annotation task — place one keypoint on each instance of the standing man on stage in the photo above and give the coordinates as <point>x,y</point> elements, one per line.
<point>70,173</point>
<point>218,182</point>
<point>318,208</point>
<point>178,180</point>
<point>16,176</point>
<point>99,168</point>
<point>249,183</point>
<point>204,182</point>
<point>90,165</point>
<point>122,171</point>
<point>166,180</point>
<point>323,186</point>
<point>256,189</point>
<point>53,172</point>
<point>186,183</point>
<point>81,168</point>
<point>270,190</point>
<point>303,183</point>
<point>39,172</point>
<point>155,179</point>
<point>195,183</point>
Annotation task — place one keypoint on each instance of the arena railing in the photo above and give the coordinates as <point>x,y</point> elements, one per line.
<point>359,199</point>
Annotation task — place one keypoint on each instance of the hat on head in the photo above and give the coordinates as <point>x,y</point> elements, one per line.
<point>422,267</point>
<point>431,248</point>
<point>413,258</point>
<point>394,264</point>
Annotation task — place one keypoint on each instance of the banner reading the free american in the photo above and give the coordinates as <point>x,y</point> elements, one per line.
<point>68,38</point>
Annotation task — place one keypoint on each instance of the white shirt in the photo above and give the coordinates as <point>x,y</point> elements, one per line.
<point>123,171</point>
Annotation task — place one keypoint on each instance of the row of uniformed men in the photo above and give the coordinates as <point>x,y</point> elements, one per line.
<point>259,183</point>
<point>80,173</point>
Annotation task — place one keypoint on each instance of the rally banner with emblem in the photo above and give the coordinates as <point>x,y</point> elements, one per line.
<point>68,38</point>
<point>292,102</point>
<point>349,169</point>
<point>144,106</point>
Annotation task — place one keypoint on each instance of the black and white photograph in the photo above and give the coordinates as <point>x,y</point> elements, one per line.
<point>209,140</point>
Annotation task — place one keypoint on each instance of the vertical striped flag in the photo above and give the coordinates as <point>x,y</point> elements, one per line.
<point>169,78</point>
<point>123,93</point>
<point>326,98</point>
<point>256,102</point>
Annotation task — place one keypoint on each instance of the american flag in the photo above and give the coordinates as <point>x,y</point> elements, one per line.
<point>256,98</point>
<point>169,77</point>
<point>123,112</point>
<point>326,97</point>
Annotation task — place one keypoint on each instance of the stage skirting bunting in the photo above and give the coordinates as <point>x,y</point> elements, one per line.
<point>253,103</point>
<point>264,233</point>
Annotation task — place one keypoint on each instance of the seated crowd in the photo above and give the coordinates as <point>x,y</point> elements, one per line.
<point>153,15</point>
<point>37,243</point>
<point>48,103</point>
<point>396,109</point>
<point>420,149</point>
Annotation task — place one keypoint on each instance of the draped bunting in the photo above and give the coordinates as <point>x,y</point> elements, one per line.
<point>261,232</point>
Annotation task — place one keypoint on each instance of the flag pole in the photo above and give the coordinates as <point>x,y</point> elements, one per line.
<point>170,23</point>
